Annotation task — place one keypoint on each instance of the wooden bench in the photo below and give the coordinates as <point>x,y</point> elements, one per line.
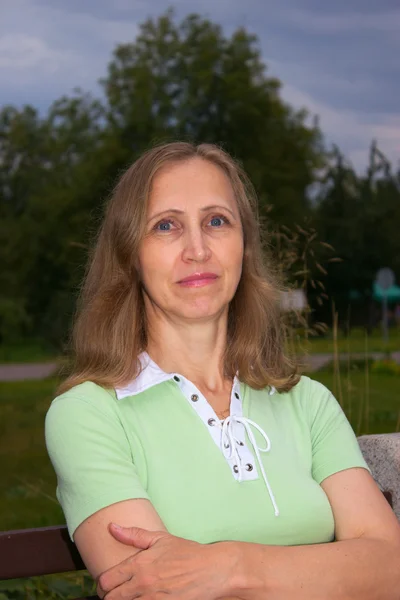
<point>42,551</point>
<point>45,551</point>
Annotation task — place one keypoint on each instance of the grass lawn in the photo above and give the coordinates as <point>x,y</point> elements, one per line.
<point>27,485</point>
<point>356,342</point>
<point>372,408</point>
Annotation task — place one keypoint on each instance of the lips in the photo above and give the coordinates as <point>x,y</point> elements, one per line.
<point>198,277</point>
<point>199,280</point>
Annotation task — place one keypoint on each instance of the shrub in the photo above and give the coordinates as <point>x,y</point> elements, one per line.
<point>386,367</point>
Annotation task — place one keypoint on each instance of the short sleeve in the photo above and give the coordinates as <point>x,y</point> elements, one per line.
<point>334,443</point>
<point>91,455</point>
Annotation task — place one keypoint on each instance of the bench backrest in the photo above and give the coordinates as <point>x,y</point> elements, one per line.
<point>43,551</point>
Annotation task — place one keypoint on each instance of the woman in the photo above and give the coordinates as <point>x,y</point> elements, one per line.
<point>184,422</point>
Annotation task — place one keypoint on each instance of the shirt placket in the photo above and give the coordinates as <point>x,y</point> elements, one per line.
<point>210,419</point>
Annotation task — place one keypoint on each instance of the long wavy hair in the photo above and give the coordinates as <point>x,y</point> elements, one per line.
<point>109,329</point>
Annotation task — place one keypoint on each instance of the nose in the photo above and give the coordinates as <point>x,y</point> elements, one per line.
<point>196,248</point>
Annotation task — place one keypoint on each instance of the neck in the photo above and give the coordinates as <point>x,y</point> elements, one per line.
<point>193,349</point>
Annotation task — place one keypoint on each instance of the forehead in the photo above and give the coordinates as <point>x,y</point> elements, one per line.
<point>194,182</point>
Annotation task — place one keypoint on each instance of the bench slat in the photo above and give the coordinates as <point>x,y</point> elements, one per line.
<point>389,497</point>
<point>31,552</point>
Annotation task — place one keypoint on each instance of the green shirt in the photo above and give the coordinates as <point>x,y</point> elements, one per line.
<point>209,480</point>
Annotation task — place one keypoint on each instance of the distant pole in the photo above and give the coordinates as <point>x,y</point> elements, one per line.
<point>385,319</point>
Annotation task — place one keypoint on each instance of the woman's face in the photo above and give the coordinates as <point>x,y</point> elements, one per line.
<point>190,259</point>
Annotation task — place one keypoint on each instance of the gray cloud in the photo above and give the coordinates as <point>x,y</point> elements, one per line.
<point>340,60</point>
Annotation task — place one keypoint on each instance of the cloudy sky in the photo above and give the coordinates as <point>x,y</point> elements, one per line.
<point>340,60</point>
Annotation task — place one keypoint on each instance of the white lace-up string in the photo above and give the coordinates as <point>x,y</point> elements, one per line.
<point>228,437</point>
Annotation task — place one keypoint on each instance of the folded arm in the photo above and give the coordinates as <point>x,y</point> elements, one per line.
<point>99,549</point>
<point>109,560</point>
<point>362,564</point>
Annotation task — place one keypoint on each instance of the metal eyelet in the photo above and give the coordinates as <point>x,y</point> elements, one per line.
<point>235,468</point>
<point>176,378</point>
<point>237,395</point>
<point>194,397</point>
<point>240,443</point>
<point>249,467</point>
<point>211,422</point>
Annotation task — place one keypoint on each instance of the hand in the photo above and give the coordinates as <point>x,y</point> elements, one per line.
<point>167,564</point>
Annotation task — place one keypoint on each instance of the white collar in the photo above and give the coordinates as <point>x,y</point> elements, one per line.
<point>151,375</point>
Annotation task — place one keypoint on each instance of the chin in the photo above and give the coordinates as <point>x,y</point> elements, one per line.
<point>201,311</point>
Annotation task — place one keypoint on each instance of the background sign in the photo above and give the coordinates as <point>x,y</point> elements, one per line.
<point>384,280</point>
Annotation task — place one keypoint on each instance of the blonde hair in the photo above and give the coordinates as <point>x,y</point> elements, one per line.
<point>109,330</point>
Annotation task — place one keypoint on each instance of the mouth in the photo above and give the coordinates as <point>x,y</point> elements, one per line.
<point>198,280</point>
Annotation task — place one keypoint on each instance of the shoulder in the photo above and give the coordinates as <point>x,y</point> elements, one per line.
<point>309,390</point>
<point>305,398</point>
<point>86,399</point>
<point>312,397</point>
<point>314,388</point>
<point>88,392</point>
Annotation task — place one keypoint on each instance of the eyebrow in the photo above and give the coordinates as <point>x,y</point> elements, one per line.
<point>182,212</point>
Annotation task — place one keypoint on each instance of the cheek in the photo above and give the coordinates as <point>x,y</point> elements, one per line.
<point>154,264</point>
<point>233,256</point>
<point>146,264</point>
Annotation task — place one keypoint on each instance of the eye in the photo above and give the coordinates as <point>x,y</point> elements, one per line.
<point>218,221</point>
<point>165,225</point>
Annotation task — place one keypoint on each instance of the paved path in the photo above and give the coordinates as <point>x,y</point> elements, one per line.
<point>25,371</point>
<point>22,371</point>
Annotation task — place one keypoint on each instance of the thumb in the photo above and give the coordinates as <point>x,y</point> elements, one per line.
<point>135,536</point>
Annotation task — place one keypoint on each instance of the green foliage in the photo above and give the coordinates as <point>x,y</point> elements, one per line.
<point>179,80</point>
<point>359,216</point>
<point>188,81</point>
<point>371,403</point>
<point>386,367</point>
<point>176,80</point>
<point>52,587</point>
<point>24,351</point>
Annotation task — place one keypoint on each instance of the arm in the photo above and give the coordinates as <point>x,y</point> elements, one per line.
<point>169,565</point>
<point>98,482</point>
<point>97,478</point>
<point>99,549</point>
<point>363,564</point>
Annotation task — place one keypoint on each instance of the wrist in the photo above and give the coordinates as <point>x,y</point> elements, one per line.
<point>244,581</point>
<point>226,561</point>
<point>235,576</point>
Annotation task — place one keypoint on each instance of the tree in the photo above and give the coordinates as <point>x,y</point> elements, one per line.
<point>188,81</point>
<point>177,80</point>
<point>359,217</point>
<point>41,185</point>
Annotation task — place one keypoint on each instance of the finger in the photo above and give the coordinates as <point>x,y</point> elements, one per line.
<point>135,536</point>
<point>117,575</point>
<point>127,591</point>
